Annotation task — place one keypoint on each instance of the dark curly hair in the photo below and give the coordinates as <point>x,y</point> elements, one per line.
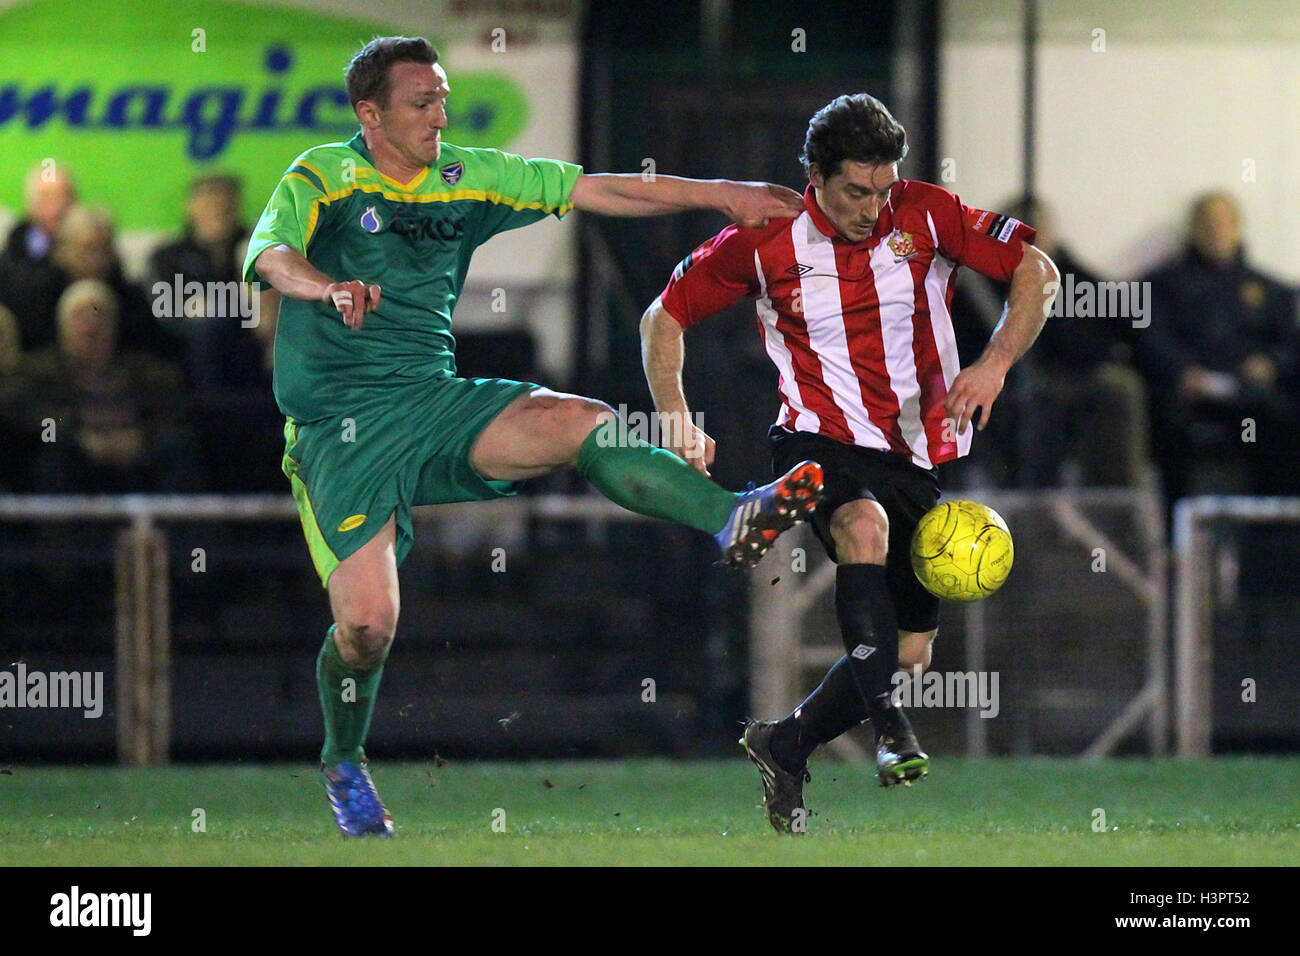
<point>856,127</point>
<point>367,74</point>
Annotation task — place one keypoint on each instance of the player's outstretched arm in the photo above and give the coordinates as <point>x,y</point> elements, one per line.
<point>631,194</point>
<point>662,354</point>
<point>1033,287</point>
<point>291,274</point>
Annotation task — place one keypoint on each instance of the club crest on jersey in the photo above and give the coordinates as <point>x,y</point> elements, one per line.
<point>901,245</point>
<point>452,172</point>
<point>370,220</point>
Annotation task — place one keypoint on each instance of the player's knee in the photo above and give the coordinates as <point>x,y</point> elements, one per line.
<point>914,649</point>
<point>861,532</point>
<point>364,638</point>
<point>911,658</point>
<point>585,414</point>
<point>574,419</point>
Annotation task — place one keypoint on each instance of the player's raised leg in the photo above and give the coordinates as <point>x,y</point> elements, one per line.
<point>545,430</point>
<point>364,599</point>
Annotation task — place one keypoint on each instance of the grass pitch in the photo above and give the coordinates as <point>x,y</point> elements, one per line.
<point>996,812</point>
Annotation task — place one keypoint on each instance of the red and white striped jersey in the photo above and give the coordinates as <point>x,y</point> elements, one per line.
<point>860,332</point>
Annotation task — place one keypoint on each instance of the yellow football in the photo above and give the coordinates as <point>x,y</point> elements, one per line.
<point>962,551</point>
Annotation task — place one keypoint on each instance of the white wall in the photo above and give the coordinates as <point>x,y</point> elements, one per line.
<point>1183,95</point>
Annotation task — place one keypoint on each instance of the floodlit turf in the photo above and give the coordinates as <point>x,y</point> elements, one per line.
<point>1225,811</point>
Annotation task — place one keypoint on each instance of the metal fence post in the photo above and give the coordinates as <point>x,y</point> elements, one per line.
<point>143,645</point>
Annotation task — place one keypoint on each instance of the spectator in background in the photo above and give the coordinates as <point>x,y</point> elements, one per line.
<point>219,351</point>
<point>226,361</point>
<point>118,414</point>
<point>1077,397</point>
<point>1220,355</point>
<point>29,280</point>
<point>84,249</point>
<point>1081,398</point>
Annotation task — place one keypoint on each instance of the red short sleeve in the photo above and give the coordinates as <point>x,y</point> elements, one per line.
<point>717,274</point>
<point>987,242</point>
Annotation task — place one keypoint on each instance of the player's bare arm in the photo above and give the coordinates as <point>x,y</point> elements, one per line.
<point>663,352</point>
<point>1033,287</point>
<point>291,274</point>
<point>630,194</point>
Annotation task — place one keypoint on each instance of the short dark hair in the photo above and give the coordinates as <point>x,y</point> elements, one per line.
<point>367,74</point>
<point>856,127</point>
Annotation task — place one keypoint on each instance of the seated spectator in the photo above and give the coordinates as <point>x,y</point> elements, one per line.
<point>29,280</point>
<point>226,360</point>
<point>118,415</point>
<point>1220,354</point>
<point>1081,398</point>
<point>84,249</point>
<point>220,352</point>
<point>1076,398</point>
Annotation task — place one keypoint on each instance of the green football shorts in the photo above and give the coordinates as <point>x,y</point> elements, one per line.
<point>405,447</point>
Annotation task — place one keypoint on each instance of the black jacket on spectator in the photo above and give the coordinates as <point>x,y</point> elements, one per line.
<point>219,352</point>
<point>1076,342</point>
<point>1215,317</point>
<point>30,283</point>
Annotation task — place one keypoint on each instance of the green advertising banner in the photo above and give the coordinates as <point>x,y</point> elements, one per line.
<point>136,97</point>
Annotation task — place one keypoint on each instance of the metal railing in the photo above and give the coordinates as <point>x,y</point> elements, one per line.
<point>780,654</point>
<point>1194,610</point>
<point>143,636</point>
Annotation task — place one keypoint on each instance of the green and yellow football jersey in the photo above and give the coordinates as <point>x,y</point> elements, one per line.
<point>414,240</point>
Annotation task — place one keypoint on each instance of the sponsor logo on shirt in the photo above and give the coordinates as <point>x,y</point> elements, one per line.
<point>1001,228</point>
<point>417,227</point>
<point>452,172</point>
<point>370,220</point>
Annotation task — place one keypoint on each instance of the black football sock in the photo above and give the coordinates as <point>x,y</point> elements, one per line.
<point>869,630</point>
<point>836,706</point>
<point>860,685</point>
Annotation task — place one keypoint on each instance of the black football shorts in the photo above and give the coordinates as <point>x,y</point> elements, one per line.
<point>906,492</point>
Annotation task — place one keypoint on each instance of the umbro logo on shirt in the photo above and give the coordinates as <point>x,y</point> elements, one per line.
<point>862,652</point>
<point>799,269</point>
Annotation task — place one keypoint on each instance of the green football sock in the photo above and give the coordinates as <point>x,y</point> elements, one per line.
<point>650,481</point>
<point>347,706</point>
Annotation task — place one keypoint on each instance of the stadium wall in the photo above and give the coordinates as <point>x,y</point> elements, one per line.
<point>1140,107</point>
